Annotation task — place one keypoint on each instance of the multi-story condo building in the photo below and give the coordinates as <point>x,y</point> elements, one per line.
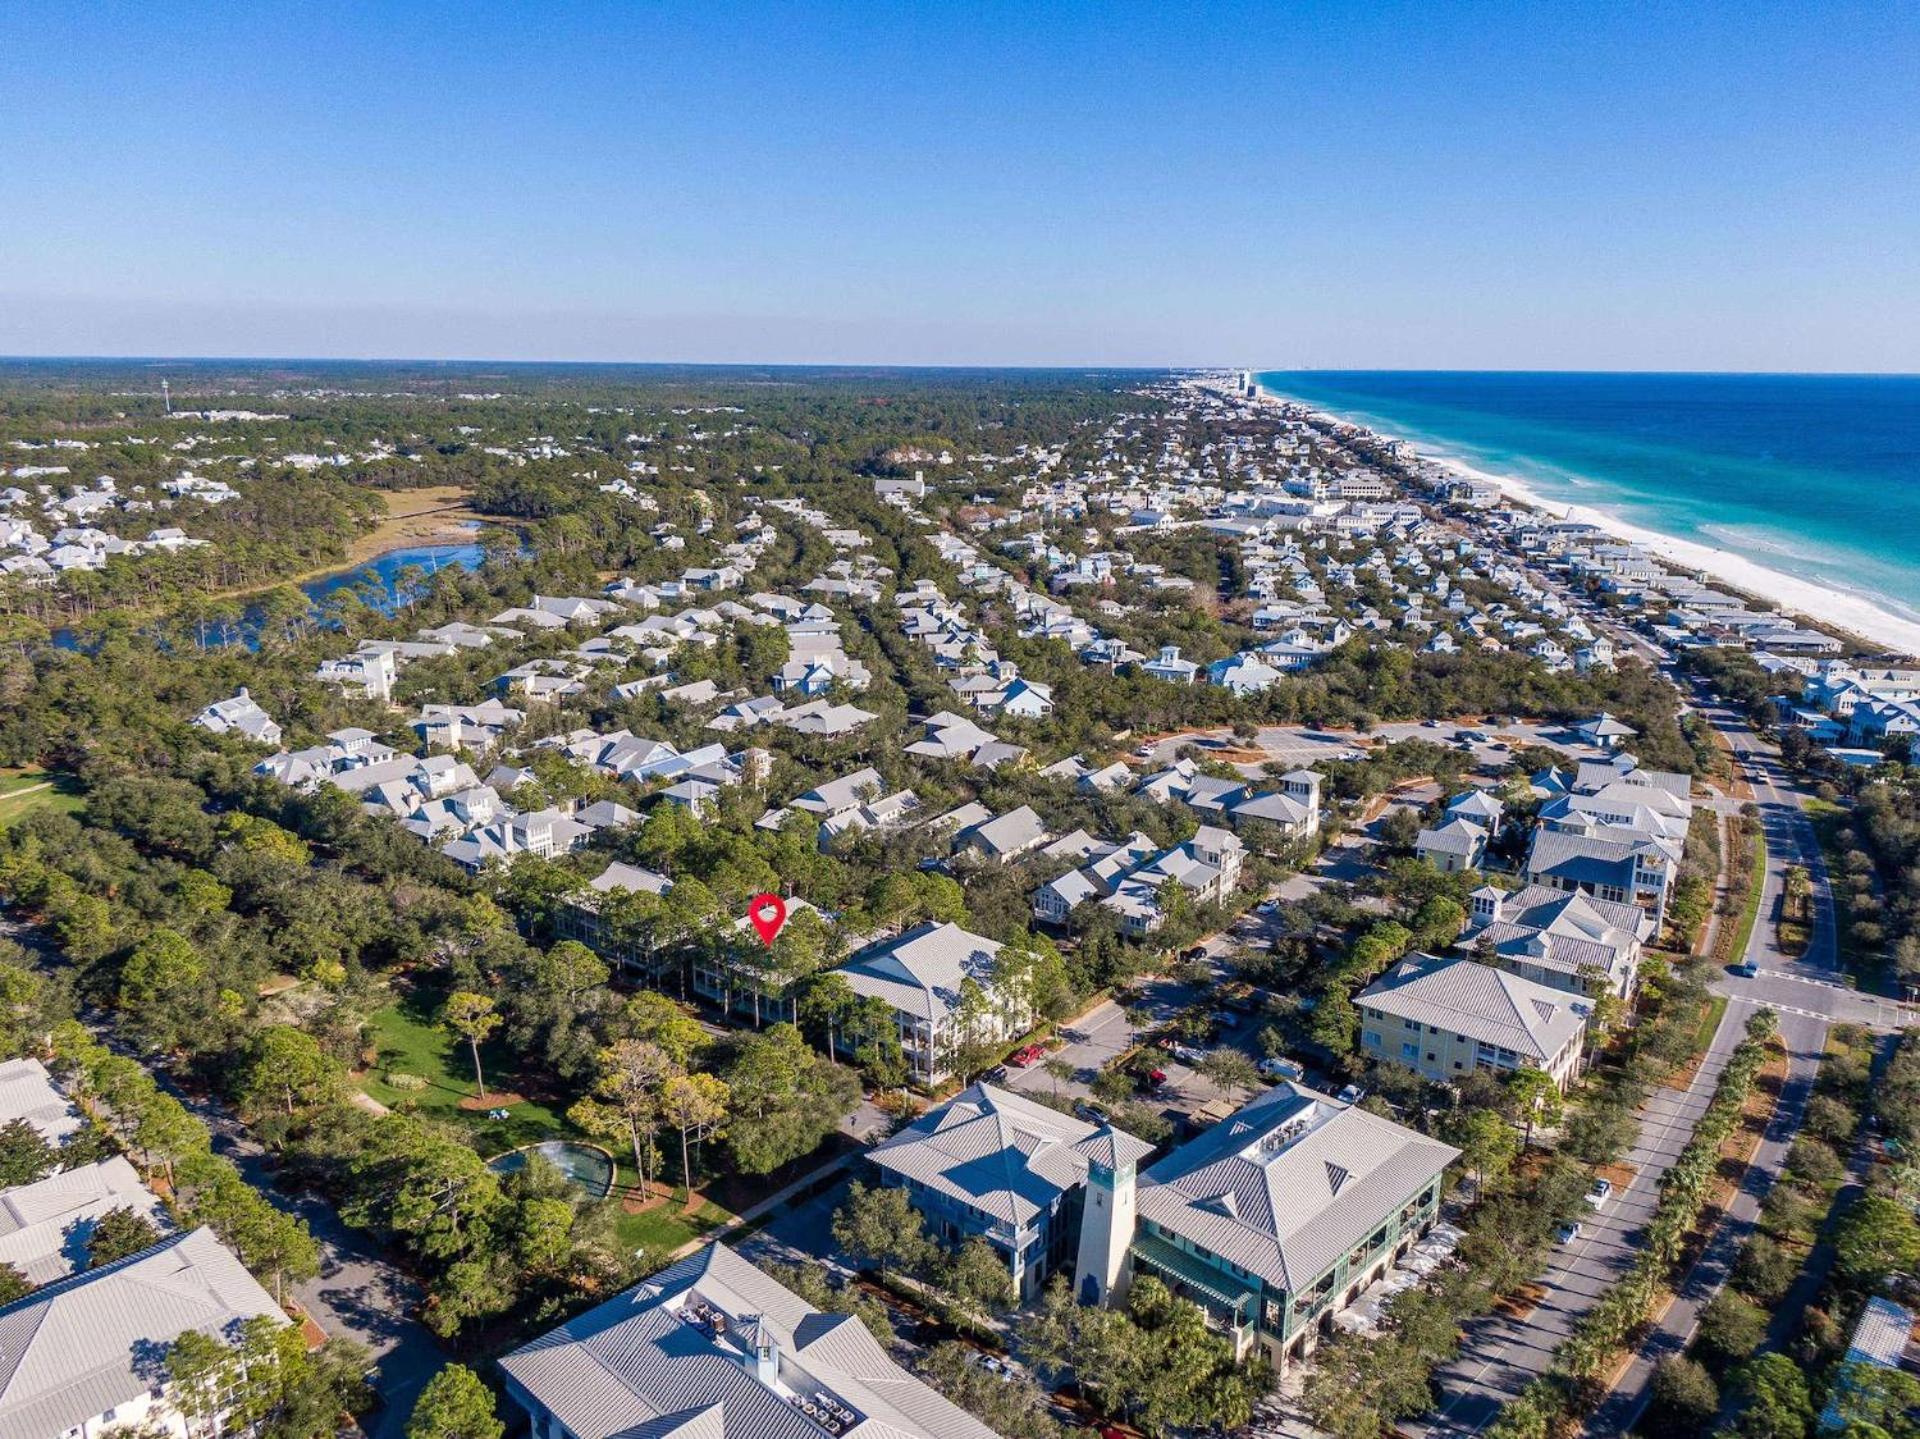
<point>1566,941</point>
<point>998,1166</point>
<point>1283,1213</point>
<point>1447,1018</point>
<point>920,976</point>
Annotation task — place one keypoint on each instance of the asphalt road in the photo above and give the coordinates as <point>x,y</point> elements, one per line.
<point>359,1293</point>
<point>1808,995</point>
<point>1502,1355</point>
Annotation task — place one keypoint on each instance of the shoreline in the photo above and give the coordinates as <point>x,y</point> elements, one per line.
<point>1808,599</point>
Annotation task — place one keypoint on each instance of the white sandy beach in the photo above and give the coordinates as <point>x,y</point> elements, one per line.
<point>1805,598</point>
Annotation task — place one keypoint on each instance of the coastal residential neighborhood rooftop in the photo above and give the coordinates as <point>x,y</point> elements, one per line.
<point>712,1348</point>
<point>1151,855</point>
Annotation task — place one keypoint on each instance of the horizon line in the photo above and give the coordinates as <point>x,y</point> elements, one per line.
<point>992,367</point>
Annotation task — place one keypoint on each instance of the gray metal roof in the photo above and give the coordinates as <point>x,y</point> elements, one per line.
<point>919,972</point>
<point>1568,930</point>
<point>1581,858</point>
<point>44,1227</point>
<point>1001,1153</point>
<point>1291,1182</point>
<point>648,1363</point>
<point>1456,836</point>
<point>28,1092</point>
<point>1008,833</point>
<point>75,1349</point>
<point>1486,1004</point>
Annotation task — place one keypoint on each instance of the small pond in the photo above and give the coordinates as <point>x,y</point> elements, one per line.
<point>586,1166</point>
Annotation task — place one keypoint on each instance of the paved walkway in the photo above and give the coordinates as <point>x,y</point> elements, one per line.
<point>779,1199</point>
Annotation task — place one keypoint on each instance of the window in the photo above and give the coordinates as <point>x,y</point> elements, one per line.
<point>1409,1051</point>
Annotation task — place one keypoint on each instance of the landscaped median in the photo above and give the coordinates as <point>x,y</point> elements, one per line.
<point>1794,926</point>
<point>1746,883</point>
<point>1766,1281</point>
<point>1589,1354</point>
<point>1853,886</point>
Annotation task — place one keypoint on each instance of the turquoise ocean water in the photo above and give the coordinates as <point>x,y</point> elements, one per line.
<point>1816,476</point>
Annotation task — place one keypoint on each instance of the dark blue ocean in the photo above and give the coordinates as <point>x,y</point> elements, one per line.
<point>1816,476</point>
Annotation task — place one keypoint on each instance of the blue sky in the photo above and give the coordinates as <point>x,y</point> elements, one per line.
<point>1459,185</point>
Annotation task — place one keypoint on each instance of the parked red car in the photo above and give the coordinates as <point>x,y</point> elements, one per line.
<point>1032,1054</point>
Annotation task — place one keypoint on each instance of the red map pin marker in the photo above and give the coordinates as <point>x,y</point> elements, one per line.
<point>767,913</point>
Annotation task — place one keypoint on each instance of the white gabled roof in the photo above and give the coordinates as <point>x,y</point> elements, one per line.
<point>75,1349</point>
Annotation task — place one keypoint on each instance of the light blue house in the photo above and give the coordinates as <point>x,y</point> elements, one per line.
<point>994,1165</point>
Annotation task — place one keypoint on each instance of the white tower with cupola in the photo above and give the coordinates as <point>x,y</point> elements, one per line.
<point>1107,1218</point>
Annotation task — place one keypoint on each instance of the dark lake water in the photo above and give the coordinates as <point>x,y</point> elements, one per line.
<point>384,570</point>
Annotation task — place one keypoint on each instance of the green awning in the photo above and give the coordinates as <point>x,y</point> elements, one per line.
<point>1175,1263</point>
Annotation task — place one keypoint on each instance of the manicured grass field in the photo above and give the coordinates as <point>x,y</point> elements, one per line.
<point>1710,1014</point>
<point>663,1229</point>
<point>408,1037</point>
<point>27,791</point>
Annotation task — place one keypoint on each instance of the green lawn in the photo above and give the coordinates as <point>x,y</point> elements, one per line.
<point>1709,1021</point>
<point>13,780</point>
<point>1750,907</point>
<point>663,1229</point>
<point>26,791</point>
<point>409,1039</point>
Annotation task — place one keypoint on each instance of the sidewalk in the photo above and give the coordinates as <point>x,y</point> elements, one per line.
<point>779,1199</point>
